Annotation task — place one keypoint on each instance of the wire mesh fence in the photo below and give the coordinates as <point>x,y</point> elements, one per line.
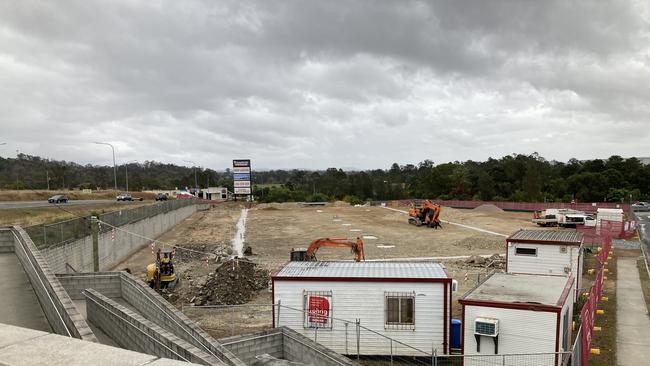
<point>351,338</point>
<point>59,233</point>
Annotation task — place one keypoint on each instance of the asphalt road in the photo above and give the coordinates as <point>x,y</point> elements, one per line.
<point>30,204</point>
<point>643,220</point>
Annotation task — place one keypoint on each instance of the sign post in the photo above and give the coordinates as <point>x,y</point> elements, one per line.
<point>242,178</point>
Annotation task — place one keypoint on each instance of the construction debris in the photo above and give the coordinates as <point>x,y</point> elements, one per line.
<point>233,282</point>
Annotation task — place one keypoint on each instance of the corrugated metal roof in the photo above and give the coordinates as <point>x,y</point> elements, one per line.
<point>547,235</point>
<point>337,269</point>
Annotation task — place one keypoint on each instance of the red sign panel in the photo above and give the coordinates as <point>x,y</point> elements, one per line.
<point>318,311</point>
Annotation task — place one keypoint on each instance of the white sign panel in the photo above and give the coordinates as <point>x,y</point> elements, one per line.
<point>242,190</point>
<point>241,169</point>
<point>242,184</point>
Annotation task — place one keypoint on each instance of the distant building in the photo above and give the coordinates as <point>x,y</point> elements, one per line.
<point>214,193</point>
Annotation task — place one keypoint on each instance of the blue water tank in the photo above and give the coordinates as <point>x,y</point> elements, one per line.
<point>456,324</point>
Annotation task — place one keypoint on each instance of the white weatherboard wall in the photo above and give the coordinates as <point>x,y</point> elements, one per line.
<point>366,301</point>
<point>520,331</point>
<point>550,260</point>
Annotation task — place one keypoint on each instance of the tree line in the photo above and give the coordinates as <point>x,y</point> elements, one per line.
<point>514,177</point>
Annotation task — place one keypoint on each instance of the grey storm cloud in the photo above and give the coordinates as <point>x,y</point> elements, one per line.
<point>314,84</point>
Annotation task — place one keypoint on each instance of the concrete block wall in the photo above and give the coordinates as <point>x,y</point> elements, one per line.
<point>132,331</point>
<point>78,254</point>
<point>158,310</point>
<point>59,309</point>
<point>299,348</point>
<point>284,343</point>
<point>6,242</point>
<point>108,284</point>
<point>248,346</point>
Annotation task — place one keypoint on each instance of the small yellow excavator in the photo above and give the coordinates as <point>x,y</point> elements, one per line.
<point>426,213</point>
<point>161,274</point>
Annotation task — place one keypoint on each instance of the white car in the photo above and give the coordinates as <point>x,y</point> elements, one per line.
<point>641,206</point>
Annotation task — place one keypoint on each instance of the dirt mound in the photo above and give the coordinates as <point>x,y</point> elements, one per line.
<point>340,204</point>
<point>488,208</point>
<point>235,281</point>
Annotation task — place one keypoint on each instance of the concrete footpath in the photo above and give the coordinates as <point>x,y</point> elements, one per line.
<point>633,323</point>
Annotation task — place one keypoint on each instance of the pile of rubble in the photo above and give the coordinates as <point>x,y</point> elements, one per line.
<point>235,281</point>
<point>493,261</point>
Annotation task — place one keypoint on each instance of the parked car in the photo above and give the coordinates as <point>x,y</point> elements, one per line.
<point>162,197</point>
<point>128,197</point>
<point>58,198</point>
<point>641,206</point>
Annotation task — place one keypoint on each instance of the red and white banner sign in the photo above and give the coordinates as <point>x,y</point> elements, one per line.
<point>319,311</point>
<point>242,183</point>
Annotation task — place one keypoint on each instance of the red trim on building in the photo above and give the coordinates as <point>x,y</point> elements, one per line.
<point>545,242</point>
<point>462,329</point>
<point>557,335</point>
<point>450,315</point>
<point>511,305</point>
<point>444,320</point>
<point>273,301</point>
<point>565,292</point>
<point>361,279</point>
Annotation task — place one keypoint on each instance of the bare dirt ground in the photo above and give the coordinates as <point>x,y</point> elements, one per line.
<point>273,229</point>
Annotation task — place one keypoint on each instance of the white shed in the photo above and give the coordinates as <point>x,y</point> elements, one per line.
<point>408,302</point>
<point>518,313</point>
<point>546,252</point>
<point>609,214</point>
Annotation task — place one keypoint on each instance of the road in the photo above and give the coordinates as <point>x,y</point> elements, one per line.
<point>643,220</point>
<point>31,204</point>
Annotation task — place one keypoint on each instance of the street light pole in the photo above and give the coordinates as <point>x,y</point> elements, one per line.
<point>114,166</point>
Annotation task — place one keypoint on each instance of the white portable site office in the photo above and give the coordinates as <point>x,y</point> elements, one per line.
<point>409,302</point>
<point>517,314</point>
<point>546,252</point>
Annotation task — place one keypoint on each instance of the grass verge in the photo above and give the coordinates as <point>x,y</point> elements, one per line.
<point>46,215</point>
<point>645,282</point>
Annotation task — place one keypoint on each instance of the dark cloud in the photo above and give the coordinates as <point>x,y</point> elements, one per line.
<point>314,84</point>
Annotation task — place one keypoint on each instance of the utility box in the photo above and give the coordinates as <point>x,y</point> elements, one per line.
<point>401,308</point>
<point>518,313</point>
<point>546,252</point>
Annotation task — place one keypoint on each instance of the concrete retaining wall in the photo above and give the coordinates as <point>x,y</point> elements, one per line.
<point>283,343</point>
<point>78,254</point>
<point>108,284</point>
<point>55,302</point>
<point>136,333</point>
<point>247,347</point>
<point>156,309</point>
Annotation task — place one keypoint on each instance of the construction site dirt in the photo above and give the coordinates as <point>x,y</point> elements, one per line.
<point>272,230</point>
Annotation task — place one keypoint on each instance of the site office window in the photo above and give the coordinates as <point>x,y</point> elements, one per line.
<point>399,310</point>
<point>532,252</point>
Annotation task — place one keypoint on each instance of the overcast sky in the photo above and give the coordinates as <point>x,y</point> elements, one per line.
<point>316,84</point>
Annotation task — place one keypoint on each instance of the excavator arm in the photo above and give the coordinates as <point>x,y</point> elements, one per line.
<point>355,247</point>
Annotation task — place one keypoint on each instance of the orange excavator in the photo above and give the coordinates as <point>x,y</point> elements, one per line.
<point>309,254</point>
<point>426,213</point>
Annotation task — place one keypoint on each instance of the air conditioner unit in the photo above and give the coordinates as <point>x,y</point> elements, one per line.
<point>454,285</point>
<point>486,327</point>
